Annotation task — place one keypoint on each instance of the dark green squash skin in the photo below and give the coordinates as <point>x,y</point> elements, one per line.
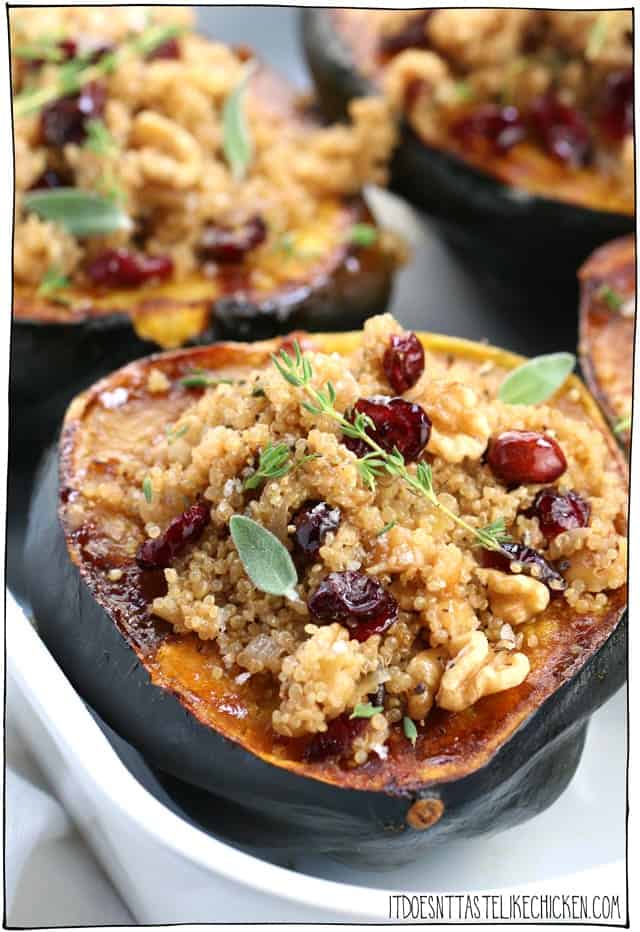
<point>52,362</point>
<point>265,806</point>
<point>500,228</point>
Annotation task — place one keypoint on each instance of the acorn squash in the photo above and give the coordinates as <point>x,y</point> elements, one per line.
<point>607,328</point>
<point>520,214</point>
<point>320,278</point>
<point>486,768</point>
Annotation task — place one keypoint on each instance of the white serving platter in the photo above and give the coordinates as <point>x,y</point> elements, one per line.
<point>168,870</point>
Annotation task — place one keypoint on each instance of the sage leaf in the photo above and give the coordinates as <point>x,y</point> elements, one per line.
<point>81,213</point>
<point>266,561</point>
<point>237,144</point>
<point>537,379</point>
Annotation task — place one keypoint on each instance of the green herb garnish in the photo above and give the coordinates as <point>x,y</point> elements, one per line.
<point>387,527</point>
<point>45,49</point>
<point>173,435</point>
<point>597,36</point>
<point>362,234</point>
<point>99,139</point>
<point>366,710</point>
<point>53,281</point>
<point>73,75</point>
<point>81,213</point>
<point>463,91</point>
<point>147,489</point>
<point>537,379</point>
<point>612,297</point>
<point>622,425</point>
<point>274,461</point>
<point>202,380</point>
<point>410,730</point>
<point>237,144</point>
<point>257,392</point>
<point>298,372</point>
<point>266,561</point>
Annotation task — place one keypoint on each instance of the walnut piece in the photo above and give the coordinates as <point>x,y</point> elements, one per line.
<point>478,672</point>
<point>515,598</point>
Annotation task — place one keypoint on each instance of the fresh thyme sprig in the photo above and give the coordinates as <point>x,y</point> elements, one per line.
<point>274,461</point>
<point>73,75</point>
<point>299,373</point>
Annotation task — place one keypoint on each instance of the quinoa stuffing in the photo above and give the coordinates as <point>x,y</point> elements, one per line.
<point>424,572</point>
<point>541,98</point>
<point>205,160</point>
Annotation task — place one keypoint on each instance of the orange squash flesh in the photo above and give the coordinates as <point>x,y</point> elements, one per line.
<point>525,166</point>
<point>119,411</point>
<point>607,328</point>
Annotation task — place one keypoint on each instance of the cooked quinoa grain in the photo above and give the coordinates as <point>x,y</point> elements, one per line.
<point>164,158</point>
<point>463,630</point>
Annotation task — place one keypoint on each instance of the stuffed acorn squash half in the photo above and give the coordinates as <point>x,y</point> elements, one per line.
<point>168,184</point>
<point>349,588</point>
<point>607,330</point>
<point>517,125</point>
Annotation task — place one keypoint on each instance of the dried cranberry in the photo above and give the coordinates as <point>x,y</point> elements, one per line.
<point>411,36</point>
<point>312,523</point>
<point>517,457</point>
<point>221,244</point>
<point>532,562</point>
<point>49,179</point>
<point>503,127</point>
<point>557,512</point>
<point>403,361</point>
<point>169,50</point>
<point>337,740</point>
<point>615,113</point>
<point>563,130</point>
<point>355,600</point>
<point>66,118</point>
<point>160,552</point>
<point>121,267</point>
<point>398,424</point>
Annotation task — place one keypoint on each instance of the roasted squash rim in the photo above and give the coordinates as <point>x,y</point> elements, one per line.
<point>343,343</point>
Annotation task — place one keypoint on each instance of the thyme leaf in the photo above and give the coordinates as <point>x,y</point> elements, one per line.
<point>147,490</point>
<point>611,297</point>
<point>297,371</point>
<point>410,730</point>
<point>623,424</point>
<point>362,234</point>
<point>366,710</point>
<point>202,380</point>
<point>74,74</point>
<point>99,139</point>
<point>53,281</point>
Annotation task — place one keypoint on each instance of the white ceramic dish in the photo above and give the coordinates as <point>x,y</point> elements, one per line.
<point>168,870</point>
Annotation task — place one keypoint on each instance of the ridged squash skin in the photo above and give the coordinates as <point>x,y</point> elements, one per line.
<point>607,330</point>
<point>520,236</point>
<point>506,761</point>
